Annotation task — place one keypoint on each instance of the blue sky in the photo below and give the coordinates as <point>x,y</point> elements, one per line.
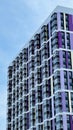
<point>19,19</point>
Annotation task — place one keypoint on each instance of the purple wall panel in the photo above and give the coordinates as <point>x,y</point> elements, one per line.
<point>71,41</point>
<point>59,40</point>
<point>62,79</point>
<point>66,59</point>
<point>63,102</point>
<point>64,122</point>
<point>68,80</point>
<point>70,22</point>
<point>61,59</point>
<point>71,122</point>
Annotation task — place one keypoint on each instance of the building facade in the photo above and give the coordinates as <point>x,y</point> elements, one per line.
<point>40,78</point>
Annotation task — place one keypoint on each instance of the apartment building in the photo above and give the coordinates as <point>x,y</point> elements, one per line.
<point>40,78</point>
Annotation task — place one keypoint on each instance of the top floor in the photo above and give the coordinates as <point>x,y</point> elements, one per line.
<point>60,19</point>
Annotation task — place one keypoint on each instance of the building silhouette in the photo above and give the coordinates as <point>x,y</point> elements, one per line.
<point>40,78</point>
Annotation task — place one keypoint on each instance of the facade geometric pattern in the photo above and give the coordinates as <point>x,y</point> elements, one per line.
<point>40,78</point>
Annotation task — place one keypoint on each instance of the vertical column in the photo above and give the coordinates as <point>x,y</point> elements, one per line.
<point>58,21</point>
<point>65,29</point>
<point>49,38</point>
<point>70,102</point>
<point>53,123</point>
<point>50,66</point>
<point>72,58</point>
<point>51,86</point>
<point>67,71</point>
<point>62,93</point>
<point>64,22</point>
<point>28,120</point>
<point>49,30</point>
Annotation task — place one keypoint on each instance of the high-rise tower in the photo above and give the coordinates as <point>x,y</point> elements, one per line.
<point>40,79</point>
